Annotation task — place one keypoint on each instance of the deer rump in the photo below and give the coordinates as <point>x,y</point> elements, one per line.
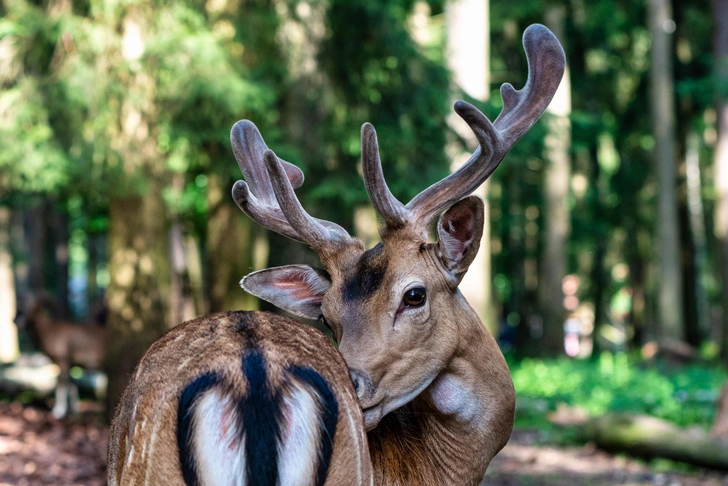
<point>267,417</point>
<point>266,434</point>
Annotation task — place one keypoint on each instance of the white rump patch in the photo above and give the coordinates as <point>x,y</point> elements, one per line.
<point>219,450</point>
<point>298,452</point>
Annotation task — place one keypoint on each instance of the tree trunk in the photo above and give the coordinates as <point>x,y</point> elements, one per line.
<point>696,216</point>
<point>556,213</point>
<point>231,245</point>
<point>92,288</point>
<point>181,300</point>
<point>139,269</point>
<point>139,266</point>
<point>60,267</point>
<point>662,110</point>
<point>468,33</point>
<point>35,242</point>
<point>8,331</point>
<point>650,437</point>
<point>720,16</point>
<point>720,425</point>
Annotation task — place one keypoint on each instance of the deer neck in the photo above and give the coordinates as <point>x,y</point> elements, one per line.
<point>450,432</point>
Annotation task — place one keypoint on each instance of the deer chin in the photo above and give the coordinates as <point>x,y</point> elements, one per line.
<point>375,413</point>
<point>372,417</point>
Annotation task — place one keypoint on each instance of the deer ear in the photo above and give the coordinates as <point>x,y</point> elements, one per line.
<point>298,289</point>
<point>459,231</point>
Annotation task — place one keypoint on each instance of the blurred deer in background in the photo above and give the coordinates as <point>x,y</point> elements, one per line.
<point>254,398</point>
<point>67,344</point>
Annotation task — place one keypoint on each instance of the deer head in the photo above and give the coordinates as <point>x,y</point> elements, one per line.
<point>394,309</point>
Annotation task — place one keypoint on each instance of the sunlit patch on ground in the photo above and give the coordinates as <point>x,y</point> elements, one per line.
<point>523,462</point>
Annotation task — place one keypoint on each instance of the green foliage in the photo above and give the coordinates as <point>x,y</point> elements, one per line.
<point>379,74</point>
<point>617,383</point>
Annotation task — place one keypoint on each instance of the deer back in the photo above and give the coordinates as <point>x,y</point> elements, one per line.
<point>239,398</point>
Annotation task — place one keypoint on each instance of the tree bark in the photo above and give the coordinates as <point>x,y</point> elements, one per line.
<point>139,266</point>
<point>468,32</point>
<point>231,244</point>
<point>181,300</point>
<point>35,240</point>
<point>61,262</point>
<point>8,331</point>
<point>662,111</point>
<point>720,16</point>
<point>139,269</point>
<point>645,436</point>
<point>696,218</point>
<point>92,288</point>
<point>556,212</point>
<point>720,425</point>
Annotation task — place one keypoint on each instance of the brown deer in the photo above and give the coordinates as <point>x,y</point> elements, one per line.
<point>67,344</point>
<point>225,399</point>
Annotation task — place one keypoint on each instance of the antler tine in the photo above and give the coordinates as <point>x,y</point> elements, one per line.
<point>521,109</point>
<point>314,232</point>
<point>256,196</point>
<point>392,211</point>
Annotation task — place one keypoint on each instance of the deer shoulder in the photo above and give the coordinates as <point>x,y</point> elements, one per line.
<point>239,398</point>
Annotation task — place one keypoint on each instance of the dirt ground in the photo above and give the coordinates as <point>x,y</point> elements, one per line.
<point>525,462</point>
<point>36,449</point>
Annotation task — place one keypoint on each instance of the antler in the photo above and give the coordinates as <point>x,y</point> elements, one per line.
<point>521,109</point>
<point>267,196</point>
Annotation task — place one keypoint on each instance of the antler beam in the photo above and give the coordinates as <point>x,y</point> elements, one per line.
<point>521,109</point>
<point>267,196</point>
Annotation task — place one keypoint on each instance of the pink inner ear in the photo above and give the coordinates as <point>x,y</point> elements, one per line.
<point>301,287</point>
<point>457,237</point>
<point>461,230</point>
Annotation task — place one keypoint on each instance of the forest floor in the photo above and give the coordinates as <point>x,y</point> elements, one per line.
<point>36,449</point>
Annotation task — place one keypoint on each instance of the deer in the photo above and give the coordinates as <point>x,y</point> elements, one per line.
<point>416,390</point>
<point>67,344</point>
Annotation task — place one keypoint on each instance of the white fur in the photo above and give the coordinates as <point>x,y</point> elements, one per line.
<point>219,449</point>
<point>451,398</point>
<point>298,454</point>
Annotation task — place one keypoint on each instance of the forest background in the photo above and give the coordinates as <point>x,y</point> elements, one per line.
<point>607,236</point>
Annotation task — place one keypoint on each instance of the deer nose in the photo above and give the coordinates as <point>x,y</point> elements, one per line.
<point>362,383</point>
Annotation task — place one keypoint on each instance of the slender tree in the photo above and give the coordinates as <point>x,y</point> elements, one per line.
<point>720,16</point>
<point>662,112</point>
<point>8,333</point>
<point>468,46</point>
<point>556,193</point>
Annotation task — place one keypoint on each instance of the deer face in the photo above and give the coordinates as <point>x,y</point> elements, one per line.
<point>394,309</point>
<point>390,313</point>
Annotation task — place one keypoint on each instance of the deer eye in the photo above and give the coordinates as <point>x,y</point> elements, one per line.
<point>415,297</point>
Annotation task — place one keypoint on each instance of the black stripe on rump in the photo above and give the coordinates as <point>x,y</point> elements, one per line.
<point>330,416</point>
<point>261,414</point>
<point>185,424</point>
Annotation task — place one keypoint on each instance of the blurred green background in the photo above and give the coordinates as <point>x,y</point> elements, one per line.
<point>604,270</point>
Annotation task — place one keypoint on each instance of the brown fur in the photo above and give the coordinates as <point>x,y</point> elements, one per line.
<point>143,446</point>
<point>416,444</point>
<point>66,344</point>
